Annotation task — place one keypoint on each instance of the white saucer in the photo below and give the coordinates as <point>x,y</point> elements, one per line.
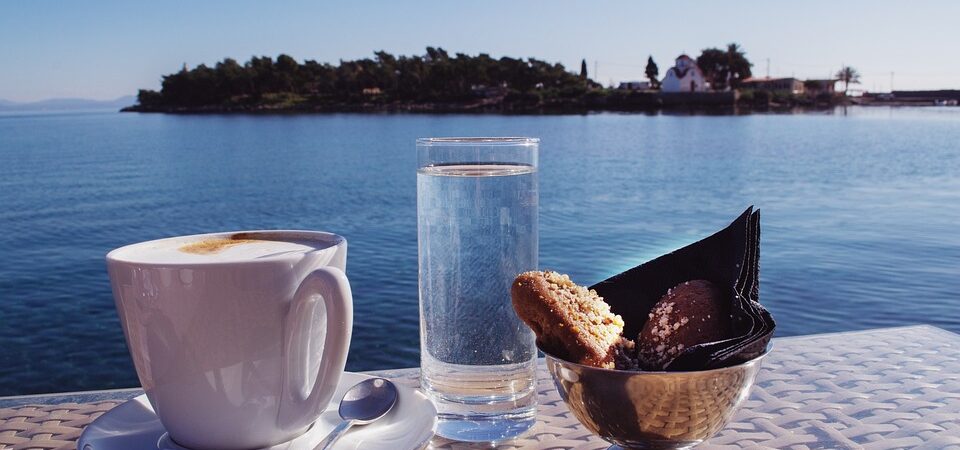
<point>410,425</point>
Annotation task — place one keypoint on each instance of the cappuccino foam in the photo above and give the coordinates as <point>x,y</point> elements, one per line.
<point>223,247</point>
<point>216,245</point>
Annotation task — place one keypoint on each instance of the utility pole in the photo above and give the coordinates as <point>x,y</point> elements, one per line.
<point>595,75</point>
<point>768,68</point>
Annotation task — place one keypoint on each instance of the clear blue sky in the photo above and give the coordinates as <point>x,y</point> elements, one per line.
<point>105,49</point>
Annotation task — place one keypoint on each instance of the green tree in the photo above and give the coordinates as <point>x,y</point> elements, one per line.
<point>738,64</point>
<point>653,72</point>
<point>848,75</point>
<point>286,63</point>
<point>232,79</point>
<point>260,71</point>
<point>147,97</point>
<point>285,74</point>
<point>724,68</point>
<point>434,77</point>
<point>713,64</point>
<point>583,69</point>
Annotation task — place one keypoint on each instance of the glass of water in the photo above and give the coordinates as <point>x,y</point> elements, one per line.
<point>477,203</point>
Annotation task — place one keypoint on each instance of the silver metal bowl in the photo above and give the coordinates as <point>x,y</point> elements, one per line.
<point>653,410</point>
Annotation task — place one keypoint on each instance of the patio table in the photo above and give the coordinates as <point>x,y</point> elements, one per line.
<point>877,389</point>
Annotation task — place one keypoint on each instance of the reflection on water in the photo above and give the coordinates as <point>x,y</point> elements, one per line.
<point>860,212</point>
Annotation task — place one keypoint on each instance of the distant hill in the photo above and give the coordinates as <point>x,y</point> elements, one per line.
<point>432,82</point>
<point>67,104</point>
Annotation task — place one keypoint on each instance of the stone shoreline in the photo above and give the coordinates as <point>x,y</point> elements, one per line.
<point>615,101</point>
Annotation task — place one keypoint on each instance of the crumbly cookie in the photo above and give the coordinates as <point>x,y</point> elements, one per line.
<point>570,321</point>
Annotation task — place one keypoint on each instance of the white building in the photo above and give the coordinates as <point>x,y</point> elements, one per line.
<point>685,76</point>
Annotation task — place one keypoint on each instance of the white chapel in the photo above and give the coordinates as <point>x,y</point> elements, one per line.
<point>685,76</point>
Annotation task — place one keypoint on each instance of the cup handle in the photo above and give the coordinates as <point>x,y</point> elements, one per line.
<point>299,407</point>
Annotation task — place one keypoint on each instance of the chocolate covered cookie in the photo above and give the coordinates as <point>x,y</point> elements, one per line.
<point>691,313</point>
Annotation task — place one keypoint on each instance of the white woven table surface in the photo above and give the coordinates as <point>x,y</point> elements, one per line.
<point>879,389</point>
<point>891,388</point>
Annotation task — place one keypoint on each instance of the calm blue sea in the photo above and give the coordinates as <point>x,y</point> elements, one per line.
<point>861,213</point>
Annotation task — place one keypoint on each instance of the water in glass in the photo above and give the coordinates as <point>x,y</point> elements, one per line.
<point>477,228</point>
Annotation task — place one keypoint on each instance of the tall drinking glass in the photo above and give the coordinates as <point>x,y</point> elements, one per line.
<point>477,202</point>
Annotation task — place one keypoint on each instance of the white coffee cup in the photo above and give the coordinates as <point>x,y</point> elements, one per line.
<point>239,339</point>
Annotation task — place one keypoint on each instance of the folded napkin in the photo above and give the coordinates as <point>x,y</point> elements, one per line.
<point>730,258</point>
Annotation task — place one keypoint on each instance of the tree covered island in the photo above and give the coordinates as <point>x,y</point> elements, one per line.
<point>435,81</point>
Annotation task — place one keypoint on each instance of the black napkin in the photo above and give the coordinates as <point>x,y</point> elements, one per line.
<point>730,258</point>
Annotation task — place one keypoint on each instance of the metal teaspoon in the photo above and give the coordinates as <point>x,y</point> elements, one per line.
<point>365,402</point>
